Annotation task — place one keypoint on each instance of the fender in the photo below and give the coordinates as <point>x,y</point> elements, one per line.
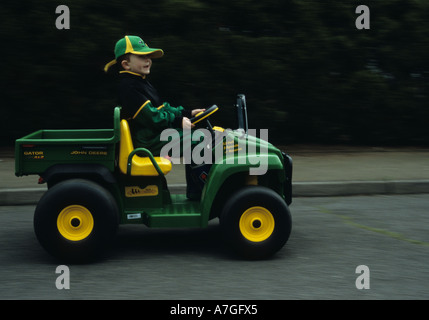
<point>221,171</point>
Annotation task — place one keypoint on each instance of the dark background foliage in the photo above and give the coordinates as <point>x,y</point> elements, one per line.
<point>309,75</point>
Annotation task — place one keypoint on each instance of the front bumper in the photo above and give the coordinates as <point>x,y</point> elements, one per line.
<point>287,185</point>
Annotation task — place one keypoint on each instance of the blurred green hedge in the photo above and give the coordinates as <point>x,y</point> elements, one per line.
<point>308,74</point>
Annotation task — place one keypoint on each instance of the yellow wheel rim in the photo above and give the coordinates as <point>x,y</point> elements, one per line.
<point>75,223</point>
<point>256,224</point>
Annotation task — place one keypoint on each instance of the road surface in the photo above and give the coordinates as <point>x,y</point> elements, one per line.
<point>330,238</point>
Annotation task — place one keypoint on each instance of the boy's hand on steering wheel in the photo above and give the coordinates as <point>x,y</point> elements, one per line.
<point>197,111</point>
<point>186,123</point>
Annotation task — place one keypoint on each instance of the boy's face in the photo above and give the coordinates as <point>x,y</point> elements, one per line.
<point>138,63</point>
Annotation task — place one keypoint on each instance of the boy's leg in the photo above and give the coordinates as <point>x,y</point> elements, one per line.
<point>196,174</point>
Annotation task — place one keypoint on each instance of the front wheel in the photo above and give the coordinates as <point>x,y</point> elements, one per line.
<point>256,222</point>
<point>75,220</point>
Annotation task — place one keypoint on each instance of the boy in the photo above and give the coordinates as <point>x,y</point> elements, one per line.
<point>142,106</point>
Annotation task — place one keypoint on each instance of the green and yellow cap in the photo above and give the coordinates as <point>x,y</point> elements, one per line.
<point>135,45</point>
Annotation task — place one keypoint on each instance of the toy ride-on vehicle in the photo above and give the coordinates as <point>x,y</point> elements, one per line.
<point>97,180</point>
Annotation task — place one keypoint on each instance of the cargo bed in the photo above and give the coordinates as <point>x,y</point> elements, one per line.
<point>38,151</point>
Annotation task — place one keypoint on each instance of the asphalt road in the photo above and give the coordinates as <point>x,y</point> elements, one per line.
<point>331,237</point>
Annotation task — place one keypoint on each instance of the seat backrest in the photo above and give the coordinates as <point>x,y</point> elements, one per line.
<point>116,123</point>
<point>125,146</point>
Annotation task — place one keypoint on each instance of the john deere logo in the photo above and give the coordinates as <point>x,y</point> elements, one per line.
<point>135,191</point>
<point>142,43</point>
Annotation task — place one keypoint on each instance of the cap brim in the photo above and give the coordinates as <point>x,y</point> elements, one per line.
<point>154,53</point>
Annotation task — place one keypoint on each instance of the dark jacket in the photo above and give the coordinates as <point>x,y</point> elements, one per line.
<point>146,113</point>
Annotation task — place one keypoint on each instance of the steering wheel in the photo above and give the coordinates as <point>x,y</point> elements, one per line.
<point>204,114</point>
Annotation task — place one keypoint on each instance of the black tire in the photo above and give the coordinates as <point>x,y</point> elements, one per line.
<point>256,222</point>
<point>75,220</point>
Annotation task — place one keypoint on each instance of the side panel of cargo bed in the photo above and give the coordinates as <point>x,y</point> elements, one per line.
<point>38,151</point>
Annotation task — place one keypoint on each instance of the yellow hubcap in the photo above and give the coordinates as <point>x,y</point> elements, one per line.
<point>75,223</point>
<point>256,224</point>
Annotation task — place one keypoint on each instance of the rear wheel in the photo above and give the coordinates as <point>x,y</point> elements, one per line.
<point>256,222</point>
<point>75,220</point>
